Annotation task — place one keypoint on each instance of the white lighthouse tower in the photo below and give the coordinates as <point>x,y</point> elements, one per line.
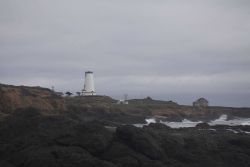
<point>89,87</point>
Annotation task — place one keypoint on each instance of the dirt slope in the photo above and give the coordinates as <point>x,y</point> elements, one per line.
<point>13,97</point>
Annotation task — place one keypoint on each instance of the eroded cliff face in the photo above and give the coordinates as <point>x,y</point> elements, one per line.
<point>105,108</point>
<point>13,97</point>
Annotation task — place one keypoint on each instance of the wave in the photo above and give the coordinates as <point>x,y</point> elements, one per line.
<point>222,120</point>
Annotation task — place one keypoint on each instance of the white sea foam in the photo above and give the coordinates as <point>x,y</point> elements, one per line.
<point>150,120</point>
<point>184,123</point>
<point>246,123</point>
<point>233,122</point>
<point>222,120</point>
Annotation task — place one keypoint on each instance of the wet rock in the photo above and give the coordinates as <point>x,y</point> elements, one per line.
<point>202,126</point>
<point>139,140</point>
<point>57,156</point>
<point>158,126</point>
<point>121,154</point>
<point>6,164</point>
<point>94,137</point>
<point>29,138</point>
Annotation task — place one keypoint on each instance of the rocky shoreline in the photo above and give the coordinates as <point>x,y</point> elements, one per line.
<point>30,139</point>
<point>41,129</point>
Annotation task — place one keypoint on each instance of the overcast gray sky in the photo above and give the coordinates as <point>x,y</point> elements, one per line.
<point>168,49</point>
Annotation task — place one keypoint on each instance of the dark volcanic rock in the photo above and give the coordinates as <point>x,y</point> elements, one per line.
<point>158,126</point>
<point>139,140</point>
<point>94,137</point>
<point>57,156</point>
<point>121,154</point>
<point>28,138</point>
<point>203,125</point>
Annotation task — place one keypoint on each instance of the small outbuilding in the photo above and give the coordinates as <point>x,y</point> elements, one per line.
<point>201,102</point>
<point>122,102</point>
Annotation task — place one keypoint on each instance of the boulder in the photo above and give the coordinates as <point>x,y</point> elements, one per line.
<point>140,141</point>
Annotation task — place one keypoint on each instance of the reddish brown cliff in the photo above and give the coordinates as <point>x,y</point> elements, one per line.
<point>13,97</point>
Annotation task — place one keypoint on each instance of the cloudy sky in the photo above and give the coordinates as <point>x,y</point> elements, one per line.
<point>168,49</point>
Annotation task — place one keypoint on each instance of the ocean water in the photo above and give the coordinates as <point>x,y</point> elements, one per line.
<point>222,120</point>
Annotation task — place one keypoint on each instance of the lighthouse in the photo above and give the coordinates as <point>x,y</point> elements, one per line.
<point>89,87</point>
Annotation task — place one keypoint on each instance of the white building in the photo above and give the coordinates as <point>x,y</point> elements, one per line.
<point>89,86</point>
<point>122,102</point>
